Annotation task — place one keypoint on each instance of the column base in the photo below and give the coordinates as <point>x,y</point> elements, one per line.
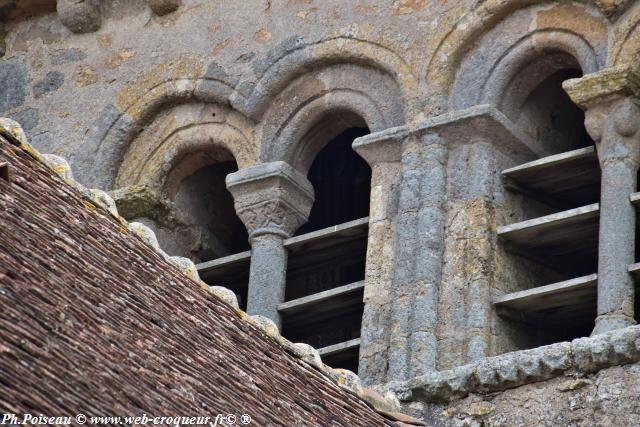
<point>610,322</point>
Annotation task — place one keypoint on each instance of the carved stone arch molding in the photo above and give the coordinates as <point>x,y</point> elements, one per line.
<point>139,103</point>
<point>183,139</point>
<point>296,57</point>
<point>625,44</point>
<point>484,38</point>
<point>319,105</point>
<point>532,43</point>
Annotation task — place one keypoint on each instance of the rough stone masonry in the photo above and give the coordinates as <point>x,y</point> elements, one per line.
<point>500,277</point>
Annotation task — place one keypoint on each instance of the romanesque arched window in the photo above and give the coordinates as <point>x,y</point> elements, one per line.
<point>555,245</point>
<point>325,275</point>
<point>213,236</point>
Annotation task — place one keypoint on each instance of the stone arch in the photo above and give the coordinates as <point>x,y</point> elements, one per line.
<point>538,48</point>
<point>530,60</point>
<point>137,105</point>
<point>197,133</point>
<point>626,38</point>
<point>350,95</point>
<point>572,26</point>
<point>172,178</point>
<point>295,58</point>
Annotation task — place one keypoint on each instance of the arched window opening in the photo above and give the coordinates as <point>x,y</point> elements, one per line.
<point>210,234</point>
<point>554,247</point>
<point>204,200</point>
<point>342,183</point>
<point>324,294</point>
<point>556,122</point>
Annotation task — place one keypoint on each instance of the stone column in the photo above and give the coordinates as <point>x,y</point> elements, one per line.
<point>442,313</point>
<point>382,151</point>
<point>418,262</point>
<point>611,100</point>
<point>479,140</point>
<point>273,200</point>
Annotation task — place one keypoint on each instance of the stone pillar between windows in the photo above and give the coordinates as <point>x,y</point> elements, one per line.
<point>481,142</point>
<point>382,151</point>
<point>273,200</point>
<point>611,100</point>
<point>441,314</point>
<point>418,263</point>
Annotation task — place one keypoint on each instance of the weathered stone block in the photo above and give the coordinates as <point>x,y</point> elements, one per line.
<point>13,81</point>
<point>64,56</point>
<point>163,7</point>
<point>51,82</point>
<point>80,16</point>
<point>28,118</point>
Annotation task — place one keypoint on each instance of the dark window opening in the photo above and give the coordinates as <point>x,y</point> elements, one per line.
<point>207,204</point>
<point>559,123</point>
<point>342,183</point>
<point>214,232</point>
<point>562,247</point>
<point>327,261</point>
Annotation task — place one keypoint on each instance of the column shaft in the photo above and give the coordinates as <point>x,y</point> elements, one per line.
<point>273,200</point>
<point>374,340</point>
<point>418,264</point>
<point>267,277</point>
<point>616,246</point>
<point>612,118</point>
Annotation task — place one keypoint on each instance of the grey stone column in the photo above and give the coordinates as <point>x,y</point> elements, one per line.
<point>479,140</point>
<point>611,100</point>
<point>273,200</point>
<point>418,263</point>
<point>443,318</point>
<point>382,151</point>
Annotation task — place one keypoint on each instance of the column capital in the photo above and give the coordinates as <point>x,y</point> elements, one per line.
<point>605,86</point>
<point>271,198</point>
<point>611,101</point>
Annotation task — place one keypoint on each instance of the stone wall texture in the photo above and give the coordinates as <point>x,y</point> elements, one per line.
<point>608,398</point>
<point>139,94</point>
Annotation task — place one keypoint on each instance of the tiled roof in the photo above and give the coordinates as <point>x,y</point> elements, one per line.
<point>94,321</point>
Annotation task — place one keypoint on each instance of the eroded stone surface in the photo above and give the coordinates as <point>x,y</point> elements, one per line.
<point>13,81</point>
<point>608,398</point>
<point>250,81</point>
<point>80,16</point>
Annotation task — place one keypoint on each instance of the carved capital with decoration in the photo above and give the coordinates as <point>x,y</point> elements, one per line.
<point>611,101</point>
<point>271,198</point>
